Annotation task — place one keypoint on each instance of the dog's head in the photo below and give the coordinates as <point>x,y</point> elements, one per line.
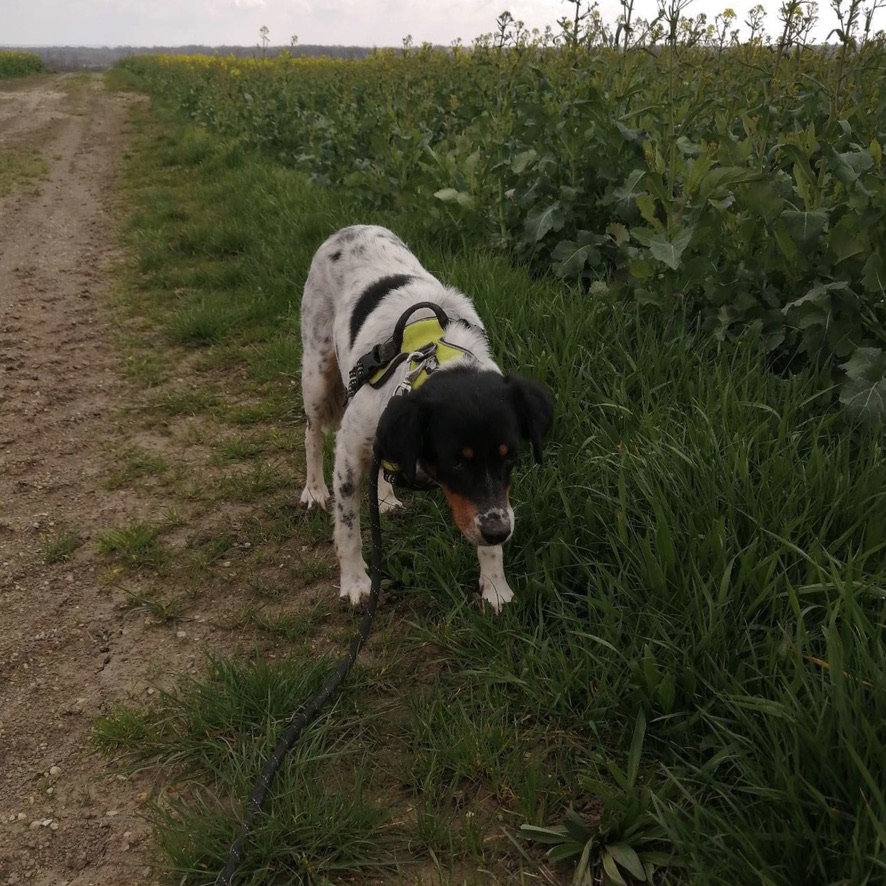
<point>463,429</point>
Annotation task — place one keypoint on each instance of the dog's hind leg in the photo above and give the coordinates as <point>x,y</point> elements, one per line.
<point>324,399</point>
<point>353,449</point>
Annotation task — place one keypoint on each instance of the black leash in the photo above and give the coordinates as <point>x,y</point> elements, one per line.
<point>298,722</point>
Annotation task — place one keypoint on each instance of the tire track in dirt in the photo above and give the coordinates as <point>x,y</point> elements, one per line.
<point>66,646</point>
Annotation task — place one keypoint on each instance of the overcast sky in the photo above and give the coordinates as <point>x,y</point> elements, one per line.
<point>346,22</point>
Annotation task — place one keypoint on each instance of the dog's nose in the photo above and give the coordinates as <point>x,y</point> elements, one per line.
<point>495,528</point>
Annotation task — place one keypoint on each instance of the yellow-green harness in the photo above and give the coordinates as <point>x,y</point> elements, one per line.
<point>425,349</point>
<point>422,344</point>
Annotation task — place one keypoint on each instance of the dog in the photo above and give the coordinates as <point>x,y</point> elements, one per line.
<point>460,428</point>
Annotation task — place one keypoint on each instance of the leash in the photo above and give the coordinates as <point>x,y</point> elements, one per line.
<point>297,722</point>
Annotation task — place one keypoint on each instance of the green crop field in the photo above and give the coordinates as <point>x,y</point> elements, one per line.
<point>19,64</point>
<point>684,237</point>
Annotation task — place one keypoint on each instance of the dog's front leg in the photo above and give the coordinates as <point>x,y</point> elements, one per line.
<point>352,452</point>
<point>494,587</point>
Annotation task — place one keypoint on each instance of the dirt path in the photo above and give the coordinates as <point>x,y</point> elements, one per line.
<point>66,647</point>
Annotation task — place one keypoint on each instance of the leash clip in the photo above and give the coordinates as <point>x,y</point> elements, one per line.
<point>425,360</point>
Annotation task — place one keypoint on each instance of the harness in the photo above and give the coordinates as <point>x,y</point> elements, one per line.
<point>421,343</point>
<point>423,347</point>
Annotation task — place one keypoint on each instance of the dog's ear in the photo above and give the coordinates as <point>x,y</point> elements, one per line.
<point>534,406</point>
<point>401,432</point>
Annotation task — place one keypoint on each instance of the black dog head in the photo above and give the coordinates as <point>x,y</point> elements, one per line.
<point>463,429</point>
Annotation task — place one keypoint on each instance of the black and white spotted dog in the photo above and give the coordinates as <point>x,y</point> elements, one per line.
<point>461,428</point>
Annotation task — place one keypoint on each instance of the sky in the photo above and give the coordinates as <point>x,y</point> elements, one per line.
<point>342,22</point>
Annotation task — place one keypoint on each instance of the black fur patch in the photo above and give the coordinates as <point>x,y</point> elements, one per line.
<point>372,297</point>
<point>336,256</point>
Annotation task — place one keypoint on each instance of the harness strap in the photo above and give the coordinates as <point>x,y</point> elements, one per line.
<point>389,355</point>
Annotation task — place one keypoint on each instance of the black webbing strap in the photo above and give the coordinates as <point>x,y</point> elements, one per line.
<point>389,354</point>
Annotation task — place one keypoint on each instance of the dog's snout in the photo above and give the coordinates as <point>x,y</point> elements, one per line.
<point>495,527</point>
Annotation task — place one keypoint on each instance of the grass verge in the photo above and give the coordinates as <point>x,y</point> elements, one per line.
<point>21,167</point>
<point>688,686</point>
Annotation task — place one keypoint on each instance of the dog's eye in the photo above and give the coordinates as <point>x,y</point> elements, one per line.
<point>463,457</point>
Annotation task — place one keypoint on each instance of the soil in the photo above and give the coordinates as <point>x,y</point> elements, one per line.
<point>68,649</point>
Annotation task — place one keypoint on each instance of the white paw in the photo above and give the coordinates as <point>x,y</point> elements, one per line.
<point>389,503</point>
<point>317,496</point>
<point>497,594</point>
<point>355,588</point>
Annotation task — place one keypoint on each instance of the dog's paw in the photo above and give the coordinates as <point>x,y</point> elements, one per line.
<point>497,594</point>
<point>355,589</point>
<point>389,503</point>
<point>317,496</point>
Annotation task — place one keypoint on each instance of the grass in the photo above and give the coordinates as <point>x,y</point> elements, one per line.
<point>694,661</point>
<point>60,546</point>
<point>135,463</point>
<point>138,545</point>
<point>20,167</point>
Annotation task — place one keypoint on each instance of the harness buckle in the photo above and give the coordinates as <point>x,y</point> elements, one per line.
<point>424,360</point>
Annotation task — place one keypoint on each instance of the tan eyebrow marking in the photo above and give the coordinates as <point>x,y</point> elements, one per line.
<point>503,450</point>
<point>467,453</point>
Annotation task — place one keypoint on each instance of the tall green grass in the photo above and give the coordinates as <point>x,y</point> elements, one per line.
<point>695,661</point>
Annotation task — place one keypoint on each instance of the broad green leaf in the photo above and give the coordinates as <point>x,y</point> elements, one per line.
<point>570,258</point>
<point>874,274</point>
<point>697,171</point>
<point>667,693</point>
<point>670,251</point>
<point>784,241</point>
<point>541,220</point>
<point>866,363</point>
<point>636,752</point>
<point>725,178</point>
<point>865,399</point>
<point>646,205</point>
<point>805,182</point>
<point>817,295</point>
<point>447,195</point>
<point>688,148</point>
<point>471,161</point>
<point>846,241</point>
<point>553,835</point>
<point>642,269</point>
<point>619,233</point>
<point>564,852</point>
<point>643,236</point>
<point>612,871</point>
<point>576,826</point>
<point>584,874</point>
<point>523,160</point>
<point>631,135</point>
<point>849,165</point>
<point>629,190</point>
<point>805,227</point>
<point>627,858</point>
